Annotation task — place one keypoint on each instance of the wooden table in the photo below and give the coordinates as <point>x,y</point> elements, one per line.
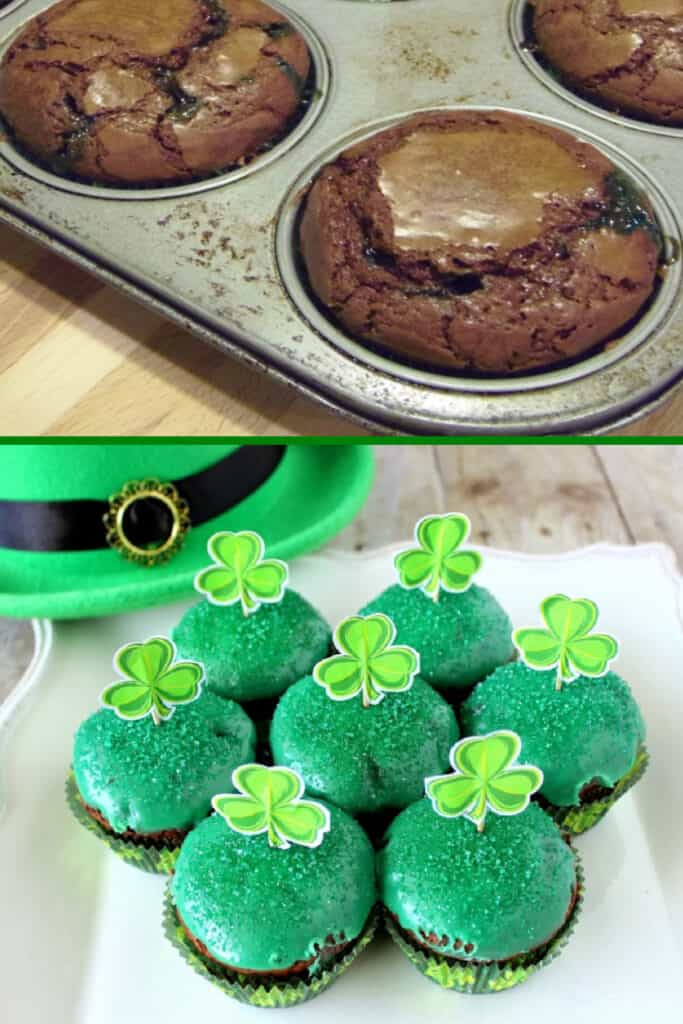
<point>77,357</point>
<point>528,498</point>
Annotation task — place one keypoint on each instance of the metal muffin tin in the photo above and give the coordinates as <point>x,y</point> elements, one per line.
<point>218,256</point>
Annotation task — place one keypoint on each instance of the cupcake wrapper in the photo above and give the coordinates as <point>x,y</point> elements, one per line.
<point>156,860</point>
<point>275,995</point>
<point>482,978</point>
<point>575,820</point>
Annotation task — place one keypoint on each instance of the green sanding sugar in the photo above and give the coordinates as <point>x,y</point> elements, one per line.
<point>591,729</point>
<point>264,909</point>
<point>460,638</point>
<point>250,657</point>
<point>364,759</point>
<point>479,896</point>
<point>149,777</point>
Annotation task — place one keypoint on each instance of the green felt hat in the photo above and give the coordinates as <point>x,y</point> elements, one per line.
<point>295,496</point>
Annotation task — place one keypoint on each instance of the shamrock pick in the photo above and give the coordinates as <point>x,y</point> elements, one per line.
<point>566,642</point>
<point>486,779</point>
<point>438,562</point>
<point>241,574</point>
<point>152,683</point>
<point>269,800</point>
<point>367,664</point>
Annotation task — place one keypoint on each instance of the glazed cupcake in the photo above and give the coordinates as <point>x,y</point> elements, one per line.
<point>479,901</point>
<point>478,241</point>
<point>459,629</point>
<point>143,772</point>
<point>274,896</point>
<point>155,93</point>
<point>582,728</point>
<point>364,730</point>
<point>626,55</point>
<point>254,636</point>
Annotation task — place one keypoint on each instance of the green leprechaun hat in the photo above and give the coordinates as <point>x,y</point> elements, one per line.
<point>93,529</point>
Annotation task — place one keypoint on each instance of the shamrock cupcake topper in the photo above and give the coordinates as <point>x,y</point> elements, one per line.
<point>486,779</point>
<point>367,663</point>
<point>241,573</point>
<point>567,643</point>
<point>438,563</point>
<point>269,800</point>
<point>153,681</point>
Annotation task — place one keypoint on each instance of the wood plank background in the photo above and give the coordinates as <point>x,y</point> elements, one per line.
<point>77,357</point>
<point>528,498</point>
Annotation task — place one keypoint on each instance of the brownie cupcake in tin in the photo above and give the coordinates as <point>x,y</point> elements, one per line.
<point>459,629</point>
<point>146,765</point>
<point>253,634</point>
<point>152,93</point>
<point>578,721</point>
<point>626,55</point>
<point>364,729</point>
<point>480,888</point>
<point>479,241</point>
<point>274,896</point>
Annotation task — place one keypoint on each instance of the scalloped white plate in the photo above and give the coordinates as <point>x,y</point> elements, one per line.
<point>81,939</point>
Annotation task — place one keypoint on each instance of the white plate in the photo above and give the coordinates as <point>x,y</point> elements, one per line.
<point>81,937</point>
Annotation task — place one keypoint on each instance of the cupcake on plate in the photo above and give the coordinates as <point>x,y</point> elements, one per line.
<point>626,55</point>
<point>480,887</point>
<point>578,721</point>
<point>274,896</point>
<point>478,241</point>
<point>364,729</point>
<point>153,93</point>
<point>143,772</point>
<point>458,628</point>
<point>254,636</point>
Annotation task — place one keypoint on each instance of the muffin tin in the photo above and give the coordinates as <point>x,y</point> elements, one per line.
<point>219,256</point>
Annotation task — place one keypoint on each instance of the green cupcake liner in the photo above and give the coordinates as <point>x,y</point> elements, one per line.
<point>482,978</point>
<point>575,820</point>
<point>275,995</point>
<point>156,860</point>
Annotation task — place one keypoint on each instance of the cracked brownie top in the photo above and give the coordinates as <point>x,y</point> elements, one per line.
<point>625,54</point>
<point>128,93</point>
<point>479,241</point>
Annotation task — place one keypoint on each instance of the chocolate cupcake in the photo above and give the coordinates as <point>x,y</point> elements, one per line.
<point>254,657</point>
<point>626,55</point>
<point>363,759</point>
<point>142,94</point>
<point>460,638</point>
<point>588,738</point>
<point>477,911</point>
<point>269,908</point>
<point>478,241</point>
<point>141,787</point>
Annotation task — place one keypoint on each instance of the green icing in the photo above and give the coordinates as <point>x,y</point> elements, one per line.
<point>477,896</point>
<point>262,908</point>
<point>363,759</point>
<point>249,657</point>
<point>150,777</point>
<point>591,729</point>
<point>628,209</point>
<point>460,638</point>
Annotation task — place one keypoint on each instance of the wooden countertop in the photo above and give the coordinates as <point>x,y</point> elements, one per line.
<point>519,497</point>
<point>77,357</point>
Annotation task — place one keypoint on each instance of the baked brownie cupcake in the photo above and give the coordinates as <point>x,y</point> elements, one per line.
<point>363,759</point>
<point>626,55</point>
<point>151,93</point>
<point>269,908</point>
<point>478,911</point>
<point>253,635</point>
<point>479,241</point>
<point>588,738</point>
<point>141,787</point>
